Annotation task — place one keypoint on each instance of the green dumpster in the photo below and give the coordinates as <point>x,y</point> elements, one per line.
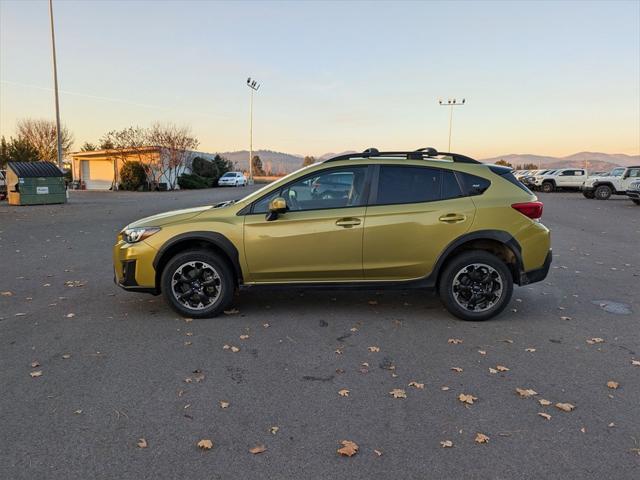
<point>35,183</point>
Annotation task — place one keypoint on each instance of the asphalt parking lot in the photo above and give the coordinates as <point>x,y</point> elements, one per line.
<point>117,367</point>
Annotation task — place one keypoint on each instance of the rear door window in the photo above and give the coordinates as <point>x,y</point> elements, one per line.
<point>473,185</point>
<point>408,184</point>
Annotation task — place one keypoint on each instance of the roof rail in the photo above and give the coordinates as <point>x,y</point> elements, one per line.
<point>419,154</point>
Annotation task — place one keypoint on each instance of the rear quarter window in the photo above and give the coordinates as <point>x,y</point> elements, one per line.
<point>473,185</point>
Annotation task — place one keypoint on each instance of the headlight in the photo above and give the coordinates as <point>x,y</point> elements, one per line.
<point>133,235</point>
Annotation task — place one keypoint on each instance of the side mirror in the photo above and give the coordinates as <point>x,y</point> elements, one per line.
<point>276,206</point>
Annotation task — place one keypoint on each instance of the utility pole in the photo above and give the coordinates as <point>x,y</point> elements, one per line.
<point>452,102</point>
<point>253,86</point>
<point>55,86</point>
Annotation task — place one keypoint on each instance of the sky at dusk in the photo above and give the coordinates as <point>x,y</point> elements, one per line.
<point>541,77</point>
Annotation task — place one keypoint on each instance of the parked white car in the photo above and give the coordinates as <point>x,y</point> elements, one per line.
<point>566,178</point>
<point>232,179</point>
<point>616,182</point>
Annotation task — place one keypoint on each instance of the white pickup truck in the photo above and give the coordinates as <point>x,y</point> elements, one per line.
<point>565,178</point>
<point>616,182</point>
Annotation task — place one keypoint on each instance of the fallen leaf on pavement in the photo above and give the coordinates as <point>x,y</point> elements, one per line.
<point>378,453</point>
<point>398,393</point>
<point>544,403</point>
<point>594,340</point>
<point>502,368</point>
<point>6,294</point>
<point>374,349</point>
<point>235,349</point>
<point>274,430</point>
<point>35,364</point>
<point>142,443</point>
<point>454,341</point>
<point>481,438</point>
<point>446,444</point>
<point>566,318</point>
<point>373,302</point>
<point>456,369</point>
<point>205,444</point>
<point>66,356</point>
<point>567,407</point>
<point>526,392</point>
<point>244,337</point>
<point>232,311</point>
<point>482,352</point>
<point>35,374</point>
<point>265,325</point>
<point>343,393</point>
<point>635,363</point>
<point>224,404</point>
<point>348,448</point>
<point>492,370</point>
<point>444,388</point>
<point>467,398</point>
<point>417,385</point>
<point>258,449</point>
<point>545,415</point>
<point>529,349</point>
<point>612,385</point>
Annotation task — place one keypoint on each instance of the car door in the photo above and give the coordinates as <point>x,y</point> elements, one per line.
<point>319,238</point>
<point>631,175</point>
<point>414,212</point>
<point>563,178</point>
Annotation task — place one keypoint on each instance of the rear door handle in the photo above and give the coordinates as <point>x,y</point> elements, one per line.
<point>348,222</point>
<point>453,218</point>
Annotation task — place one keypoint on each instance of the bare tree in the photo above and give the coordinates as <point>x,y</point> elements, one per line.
<point>175,143</point>
<point>131,143</point>
<point>42,136</point>
<point>308,160</point>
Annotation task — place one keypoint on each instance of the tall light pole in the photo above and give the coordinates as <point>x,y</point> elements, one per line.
<point>55,86</point>
<point>452,102</point>
<point>253,86</point>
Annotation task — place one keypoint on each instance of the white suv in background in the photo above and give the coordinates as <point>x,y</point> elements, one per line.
<point>616,182</point>
<point>566,178</point>
<point>232,179</point>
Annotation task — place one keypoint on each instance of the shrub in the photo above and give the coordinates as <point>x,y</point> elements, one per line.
<point>205,168</point>
<point>193,181</point>
<point>132,176</point>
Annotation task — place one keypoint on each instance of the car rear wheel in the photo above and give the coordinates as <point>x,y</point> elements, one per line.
<point>548,187</point>
<point>603,192</point>
<point>197,284</point>
<point>476,286</point>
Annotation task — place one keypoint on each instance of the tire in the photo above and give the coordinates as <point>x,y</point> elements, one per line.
<point>215,270</point>
<point>457,272</point>
<point>603,192</point>
<point>548,187</point>
<point>637,202</point>
<point>588,195</point>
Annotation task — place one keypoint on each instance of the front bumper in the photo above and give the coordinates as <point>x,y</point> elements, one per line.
<point>133,266</point>
<point>587,188</point>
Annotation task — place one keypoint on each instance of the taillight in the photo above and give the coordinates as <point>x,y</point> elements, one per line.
<point>532,210</point>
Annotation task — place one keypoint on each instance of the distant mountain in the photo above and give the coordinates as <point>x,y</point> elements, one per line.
<point>280,162</point>
<point>327,156</point>
<point>596,160</point>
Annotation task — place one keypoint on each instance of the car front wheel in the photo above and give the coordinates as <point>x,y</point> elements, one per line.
<point>603,192</point>
<point>197,284</point>
<point>476,286</point>
<point>548,187</point>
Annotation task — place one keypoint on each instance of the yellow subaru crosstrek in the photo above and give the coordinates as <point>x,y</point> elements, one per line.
<point>409,219</point>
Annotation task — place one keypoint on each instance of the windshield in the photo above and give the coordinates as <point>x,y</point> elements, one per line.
<point>617,172</point>
<point>228,174</point>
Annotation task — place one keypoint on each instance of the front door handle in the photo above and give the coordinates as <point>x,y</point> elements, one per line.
<point>453,218</point>
<point>348,222</point>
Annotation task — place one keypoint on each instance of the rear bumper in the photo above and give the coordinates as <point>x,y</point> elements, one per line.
<point>539,274</point>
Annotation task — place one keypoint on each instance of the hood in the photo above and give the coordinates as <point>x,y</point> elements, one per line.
<point>168,217</point>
